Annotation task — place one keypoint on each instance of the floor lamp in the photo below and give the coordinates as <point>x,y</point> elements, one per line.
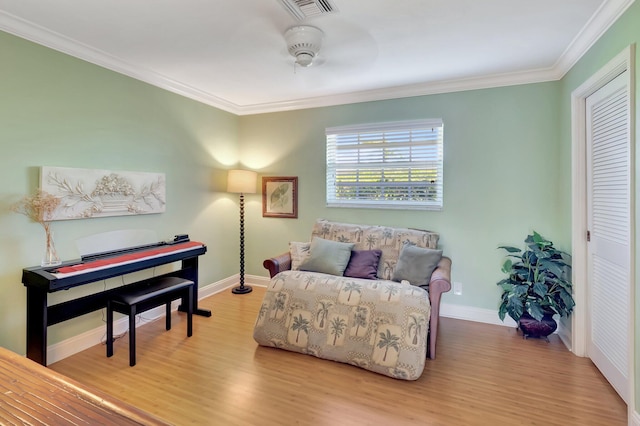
<point>242,182</point>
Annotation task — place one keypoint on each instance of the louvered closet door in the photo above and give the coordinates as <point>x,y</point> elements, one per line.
<point>609,221</point>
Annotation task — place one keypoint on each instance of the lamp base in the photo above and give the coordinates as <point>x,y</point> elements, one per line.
<point>243,289</point>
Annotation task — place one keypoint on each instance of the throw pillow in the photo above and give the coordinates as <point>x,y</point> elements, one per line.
<point>329,257</point>
<point>363,264</point>
<point>416,264</point>
<point>299,252</point>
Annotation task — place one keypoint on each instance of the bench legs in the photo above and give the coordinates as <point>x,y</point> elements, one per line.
<point>190,308</point>
<point>168,317</point>
<point>187,300</point>
<point>109,329</point>
<point>132,336</point>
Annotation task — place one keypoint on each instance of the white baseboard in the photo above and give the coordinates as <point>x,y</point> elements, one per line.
<point>218,286</point>
<point>565,336</point>
<point>634,419</point>
<point>470,313</point>
<point>490,316</point>
<point>257,280</point>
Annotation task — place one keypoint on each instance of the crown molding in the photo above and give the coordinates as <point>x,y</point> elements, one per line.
<point>600,22</point>
<point>606,15</point>
<point>397,92</point>
<point>42,36</point>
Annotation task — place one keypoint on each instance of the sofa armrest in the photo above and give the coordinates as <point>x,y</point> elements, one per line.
<point>440,283</point>
<point>278,264</point>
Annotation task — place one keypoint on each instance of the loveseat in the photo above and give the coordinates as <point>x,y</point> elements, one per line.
<point>378,309</point>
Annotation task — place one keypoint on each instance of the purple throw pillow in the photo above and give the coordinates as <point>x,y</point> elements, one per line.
<point>363,264</point>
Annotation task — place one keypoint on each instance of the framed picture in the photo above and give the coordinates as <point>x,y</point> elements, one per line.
<point>280,196</point>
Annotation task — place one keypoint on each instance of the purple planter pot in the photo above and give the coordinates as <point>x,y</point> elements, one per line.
<point>531,327</point>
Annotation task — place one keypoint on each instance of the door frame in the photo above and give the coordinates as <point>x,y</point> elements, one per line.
<point>624,61</point>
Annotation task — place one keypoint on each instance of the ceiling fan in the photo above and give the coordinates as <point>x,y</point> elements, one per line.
<point>347,46</point>
<point>303,43</point>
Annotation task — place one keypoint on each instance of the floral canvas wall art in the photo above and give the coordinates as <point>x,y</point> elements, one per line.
<point>86,193</point>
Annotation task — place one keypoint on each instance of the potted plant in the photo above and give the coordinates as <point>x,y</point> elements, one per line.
<point>537,286</point>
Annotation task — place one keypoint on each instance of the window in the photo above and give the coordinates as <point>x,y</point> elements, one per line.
<point>386,165</point>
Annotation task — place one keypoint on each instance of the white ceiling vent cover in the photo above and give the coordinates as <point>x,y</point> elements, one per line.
<point>303,43</point>
<point>302,9</point>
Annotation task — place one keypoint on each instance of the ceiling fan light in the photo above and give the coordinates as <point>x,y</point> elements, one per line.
<point>304,59</point>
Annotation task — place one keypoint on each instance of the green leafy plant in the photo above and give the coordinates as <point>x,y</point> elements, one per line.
<point>537,280</point>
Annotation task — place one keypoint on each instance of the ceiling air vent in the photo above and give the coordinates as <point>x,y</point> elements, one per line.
<point>302,9</point>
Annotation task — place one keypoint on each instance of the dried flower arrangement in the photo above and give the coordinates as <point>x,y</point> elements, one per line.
<point>40,208</point>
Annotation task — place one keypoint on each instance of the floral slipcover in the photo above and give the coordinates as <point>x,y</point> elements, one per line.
<point>378,325</point>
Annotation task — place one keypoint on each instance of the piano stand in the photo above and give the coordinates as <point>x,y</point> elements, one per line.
<point>39,283</point>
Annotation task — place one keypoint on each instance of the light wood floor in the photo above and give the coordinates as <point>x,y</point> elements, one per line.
<point>483,375</point>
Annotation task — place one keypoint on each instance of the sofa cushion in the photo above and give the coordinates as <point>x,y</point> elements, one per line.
<point>363,264</point>
<point>299,252</point>
<point>370,237</point>
<point>416,264</point>
<point>329,257</point>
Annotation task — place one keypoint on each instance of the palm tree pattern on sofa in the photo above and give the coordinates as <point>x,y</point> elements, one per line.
<point>387,341</point>
<point>360,316</point>
<point>322,311</point>
<point>337,326</point>
<point>279,305</point>
<point>371,241</point>
<point>416,326</point>
<point>308,281</point>
<point>350,287</point>
<point>300,325</point>
<point>391,290</point>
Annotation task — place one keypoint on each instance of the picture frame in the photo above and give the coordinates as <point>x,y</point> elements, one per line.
<point>280,196</point>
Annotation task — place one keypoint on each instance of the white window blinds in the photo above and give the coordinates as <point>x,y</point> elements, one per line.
<point>386,165</point>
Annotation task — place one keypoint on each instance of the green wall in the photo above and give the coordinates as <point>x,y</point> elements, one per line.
<point>59,111</point>
<point>501,169</point>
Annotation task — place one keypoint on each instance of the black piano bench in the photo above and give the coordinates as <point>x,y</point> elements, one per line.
<point>148,294</point>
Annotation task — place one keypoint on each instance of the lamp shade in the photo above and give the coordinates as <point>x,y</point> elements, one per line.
<point>242,181</point>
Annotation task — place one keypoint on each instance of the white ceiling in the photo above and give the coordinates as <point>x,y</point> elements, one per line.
<point>231,53</point>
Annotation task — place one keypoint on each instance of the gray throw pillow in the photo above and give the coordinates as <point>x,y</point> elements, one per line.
<point>329,257</point>
<point>416,264</point>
